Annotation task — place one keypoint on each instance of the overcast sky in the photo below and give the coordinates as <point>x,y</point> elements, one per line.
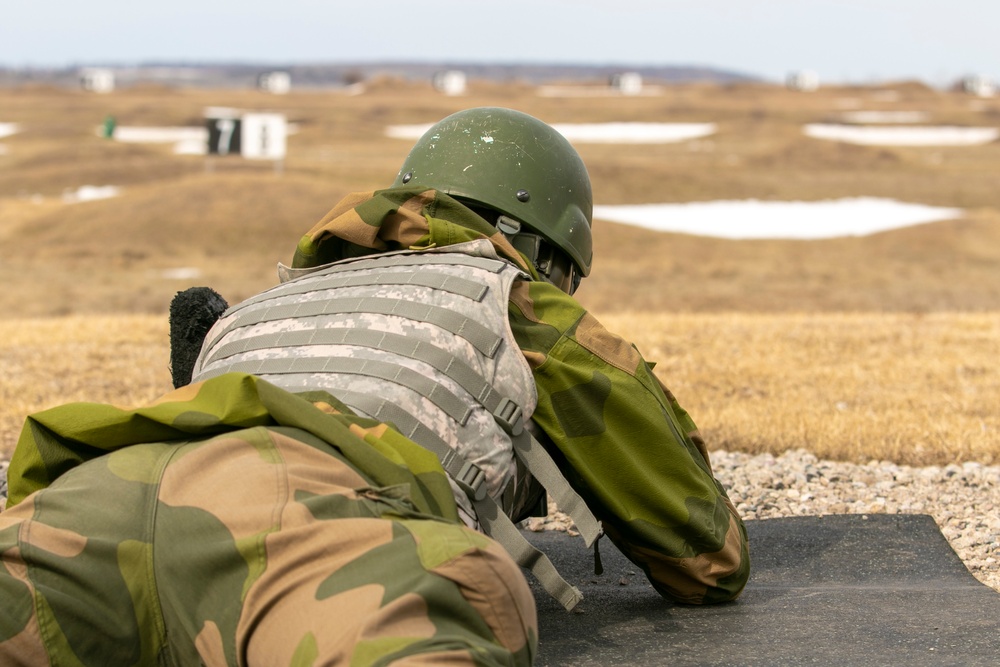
<point>866,41</point>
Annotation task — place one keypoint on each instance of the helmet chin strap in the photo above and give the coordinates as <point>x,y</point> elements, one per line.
<point>553,266</point>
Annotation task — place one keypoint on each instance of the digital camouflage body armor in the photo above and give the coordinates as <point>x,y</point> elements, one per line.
<point>421,341</point>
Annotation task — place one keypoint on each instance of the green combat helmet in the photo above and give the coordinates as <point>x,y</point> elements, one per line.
<point>521,175</point>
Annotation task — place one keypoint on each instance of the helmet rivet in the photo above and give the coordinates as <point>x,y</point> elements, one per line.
<point>523,195</point>
<point>407,176</point>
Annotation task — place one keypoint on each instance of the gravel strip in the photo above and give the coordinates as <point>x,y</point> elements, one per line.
<point>963,499</point>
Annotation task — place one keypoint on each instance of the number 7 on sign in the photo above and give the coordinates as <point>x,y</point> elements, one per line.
<point>226,127</point>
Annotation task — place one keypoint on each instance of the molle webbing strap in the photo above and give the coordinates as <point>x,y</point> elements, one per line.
<point>476,334</point>
<point>336,280</point>
<point>453,406</point>
<point>402,259</point>
<point>505,411</point>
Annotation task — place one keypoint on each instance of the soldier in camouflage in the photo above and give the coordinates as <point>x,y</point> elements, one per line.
<point>319,493</point>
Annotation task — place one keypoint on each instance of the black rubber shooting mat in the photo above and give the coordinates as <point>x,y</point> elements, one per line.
<point>836,590</point>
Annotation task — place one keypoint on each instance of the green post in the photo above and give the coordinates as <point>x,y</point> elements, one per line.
<point>109,127</point>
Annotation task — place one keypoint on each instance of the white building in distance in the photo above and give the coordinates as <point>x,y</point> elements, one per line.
<point>451,82</point>
<point>805,81</point>
<point>979,86</point>
<point>627,83</point>
<point>277,83</point>
<point>97,80</point>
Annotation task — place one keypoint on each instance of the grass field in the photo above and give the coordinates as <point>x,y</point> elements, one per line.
<point>914,389</point>
<point>876,347</point>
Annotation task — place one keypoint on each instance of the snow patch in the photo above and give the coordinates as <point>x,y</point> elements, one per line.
<point>160,135</point>
<point>753,219</point>
<point>873,117</point>
<point>904,136</point>
<point>90,193</point>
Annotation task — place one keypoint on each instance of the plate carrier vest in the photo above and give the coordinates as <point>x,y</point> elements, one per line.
<point>420,340</point>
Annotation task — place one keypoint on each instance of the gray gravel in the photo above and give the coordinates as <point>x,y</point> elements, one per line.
<point>963,499</point>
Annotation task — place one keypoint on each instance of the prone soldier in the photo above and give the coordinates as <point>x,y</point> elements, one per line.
<point>339,479</point>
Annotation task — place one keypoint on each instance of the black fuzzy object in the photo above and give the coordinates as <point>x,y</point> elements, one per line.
<point>192,314</point>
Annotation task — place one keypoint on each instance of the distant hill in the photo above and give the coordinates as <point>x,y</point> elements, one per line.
<point>325,75</point>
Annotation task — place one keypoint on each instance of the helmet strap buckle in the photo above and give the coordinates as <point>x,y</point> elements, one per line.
<point>552,265</point>
<point>509,227</point>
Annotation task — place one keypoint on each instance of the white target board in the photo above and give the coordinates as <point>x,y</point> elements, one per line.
<point>252,135</point>
<point>263,136</point>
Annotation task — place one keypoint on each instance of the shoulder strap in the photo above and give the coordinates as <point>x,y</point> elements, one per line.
<point>545,470</point>
<point>491,517</point>
<point>499,526</point>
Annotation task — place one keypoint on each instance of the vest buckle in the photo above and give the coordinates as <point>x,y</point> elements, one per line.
<point>510,416</point>
<point>472,480</point>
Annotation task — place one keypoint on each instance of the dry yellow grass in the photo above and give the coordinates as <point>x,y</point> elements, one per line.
<point>121,359</point>
<point>913,389</point>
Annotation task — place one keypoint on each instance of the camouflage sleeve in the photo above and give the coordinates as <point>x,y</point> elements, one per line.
<point>630,450</point>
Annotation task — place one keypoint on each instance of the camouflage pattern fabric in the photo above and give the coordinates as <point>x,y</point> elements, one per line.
<point>630,450</point>
<point>627,446</point>
<point>397,219</point>
<point>293,536</point>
